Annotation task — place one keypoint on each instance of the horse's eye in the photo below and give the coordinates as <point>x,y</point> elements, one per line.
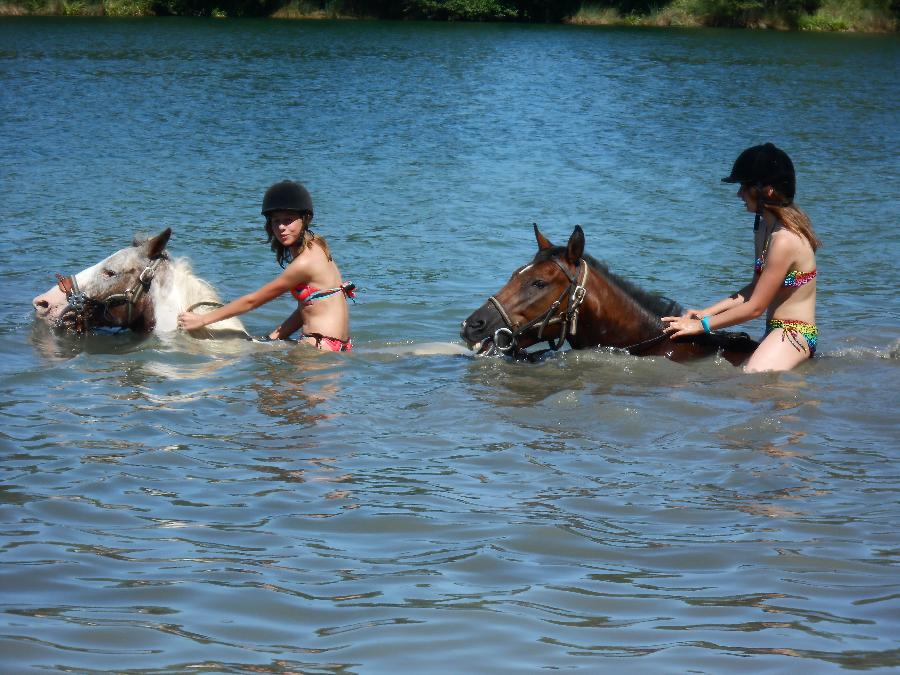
<point>539,283</point>
<point>109,272</point>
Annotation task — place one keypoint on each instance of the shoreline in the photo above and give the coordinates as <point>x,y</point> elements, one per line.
<point>832,16</point>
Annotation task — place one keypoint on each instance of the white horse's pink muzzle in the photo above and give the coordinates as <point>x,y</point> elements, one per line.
<point>50,305</point>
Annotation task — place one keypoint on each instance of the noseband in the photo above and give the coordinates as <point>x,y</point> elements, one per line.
<point>82,307</point>
<point>506,339</point>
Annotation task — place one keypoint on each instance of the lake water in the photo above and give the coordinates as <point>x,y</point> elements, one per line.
<point>170,505</point>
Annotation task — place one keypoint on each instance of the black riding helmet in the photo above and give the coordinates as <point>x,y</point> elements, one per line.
<point>287,196</point>
<point>764,165</point>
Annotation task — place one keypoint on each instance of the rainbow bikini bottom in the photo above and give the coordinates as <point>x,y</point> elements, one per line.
<point>794,330</point>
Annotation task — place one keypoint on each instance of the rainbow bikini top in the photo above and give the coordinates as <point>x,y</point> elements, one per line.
<point>793,279</point>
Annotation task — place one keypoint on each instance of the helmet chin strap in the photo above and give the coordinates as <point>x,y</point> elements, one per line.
<point>761,201</point>
<point>759,207</point>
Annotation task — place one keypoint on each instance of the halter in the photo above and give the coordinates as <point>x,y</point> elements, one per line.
<point>506,338</point>
<point>83,307</point>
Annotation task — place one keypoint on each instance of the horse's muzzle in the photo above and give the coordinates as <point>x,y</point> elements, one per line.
<point>480,328</point>
<point>49,306</point>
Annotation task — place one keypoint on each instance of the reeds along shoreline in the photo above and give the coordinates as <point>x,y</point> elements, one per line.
<point>866,16</point>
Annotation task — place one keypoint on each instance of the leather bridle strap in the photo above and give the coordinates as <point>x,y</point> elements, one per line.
<point>511,332</point>
<point>77,301</point>
<point>80,304</point>
<point>133,294</point>
<point>503,315</point>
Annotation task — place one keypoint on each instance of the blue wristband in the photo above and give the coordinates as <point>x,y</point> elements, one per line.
<point>705,322</point>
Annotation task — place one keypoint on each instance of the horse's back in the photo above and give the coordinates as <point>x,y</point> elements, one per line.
<point>734,347</point>
<point>732,341</point>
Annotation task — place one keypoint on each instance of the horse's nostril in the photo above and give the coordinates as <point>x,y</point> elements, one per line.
<point>40,304</point>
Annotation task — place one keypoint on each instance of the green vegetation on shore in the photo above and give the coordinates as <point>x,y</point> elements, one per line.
<point>817,15</point>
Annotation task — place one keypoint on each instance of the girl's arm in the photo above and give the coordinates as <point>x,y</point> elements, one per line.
<point>285,282</point>
<point>764,290</point>
<point>289,326</point>
<point>733,300</point>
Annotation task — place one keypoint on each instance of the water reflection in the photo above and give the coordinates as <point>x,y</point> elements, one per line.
<point>60,345</point>
<point>498,381</point>
<point>291,384</point>
<point>598,372</point>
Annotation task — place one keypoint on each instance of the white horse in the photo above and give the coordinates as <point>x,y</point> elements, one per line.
<point>139,288</point>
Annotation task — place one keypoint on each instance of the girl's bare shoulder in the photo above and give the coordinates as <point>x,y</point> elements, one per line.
<point>314,255</point>
<point>311,263</point>
<point>785,239</point>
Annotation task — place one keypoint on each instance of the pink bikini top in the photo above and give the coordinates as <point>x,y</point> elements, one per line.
<point>309,294</point>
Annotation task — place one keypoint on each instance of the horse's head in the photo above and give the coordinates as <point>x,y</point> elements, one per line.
<point>111,293</point>
<point>539,302</point>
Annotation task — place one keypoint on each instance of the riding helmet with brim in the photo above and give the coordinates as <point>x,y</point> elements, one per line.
<point>287,196</point>
<point>764,165</point>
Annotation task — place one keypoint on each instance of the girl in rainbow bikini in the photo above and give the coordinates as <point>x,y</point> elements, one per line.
<point>784,280</point>
<point>310,275</point>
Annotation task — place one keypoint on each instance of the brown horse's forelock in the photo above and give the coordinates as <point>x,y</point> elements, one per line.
<point>655,305</point>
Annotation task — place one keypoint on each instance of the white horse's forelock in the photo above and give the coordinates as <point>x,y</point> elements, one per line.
<point>179,290</point>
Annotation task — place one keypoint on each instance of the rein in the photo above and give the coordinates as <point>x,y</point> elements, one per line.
<point>506,338</point>
<point>650,341</point>
<point>83,307</point>
<point>204,303</point>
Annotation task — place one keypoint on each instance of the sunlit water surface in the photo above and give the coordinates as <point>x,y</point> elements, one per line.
<point>171,505</point>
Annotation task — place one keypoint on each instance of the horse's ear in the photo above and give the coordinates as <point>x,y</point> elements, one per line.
<point>575,248</point>
<point>157,245</point>
<point>542,241</point>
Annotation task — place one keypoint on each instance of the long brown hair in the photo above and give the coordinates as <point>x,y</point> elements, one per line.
<point>283,254</point>
<point>790,216</point>
<point>795,220</point>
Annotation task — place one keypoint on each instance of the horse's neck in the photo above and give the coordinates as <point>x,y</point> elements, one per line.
<point>176,288</point>
<point>164,298</point>
<point>611,317</point>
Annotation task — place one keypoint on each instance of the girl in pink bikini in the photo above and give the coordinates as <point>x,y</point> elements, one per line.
<point>310,275</point>
<point>784,278</point>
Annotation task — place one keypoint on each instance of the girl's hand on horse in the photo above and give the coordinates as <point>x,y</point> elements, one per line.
<point>680,326</point>
<point>189,321</point>
<point>693,314</point>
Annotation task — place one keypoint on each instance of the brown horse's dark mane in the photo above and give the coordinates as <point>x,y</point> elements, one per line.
<point>655,305</point>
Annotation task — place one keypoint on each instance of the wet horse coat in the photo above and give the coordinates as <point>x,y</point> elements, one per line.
<point>564,295</point>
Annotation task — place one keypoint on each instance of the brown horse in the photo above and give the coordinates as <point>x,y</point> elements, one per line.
<point>564,295</point>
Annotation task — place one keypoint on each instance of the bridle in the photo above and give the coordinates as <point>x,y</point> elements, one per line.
<point>506,339</point>
<point>83,308</point>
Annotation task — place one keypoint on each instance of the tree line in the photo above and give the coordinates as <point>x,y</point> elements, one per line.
<point>868,15</point>
<point>739,13</point>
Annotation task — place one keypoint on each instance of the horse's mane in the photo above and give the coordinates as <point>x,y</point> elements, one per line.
<point>181,290</point>
<point>654,305</point>
<point>657,305</point>
<point>181,283</point>
<point>193,289</point>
